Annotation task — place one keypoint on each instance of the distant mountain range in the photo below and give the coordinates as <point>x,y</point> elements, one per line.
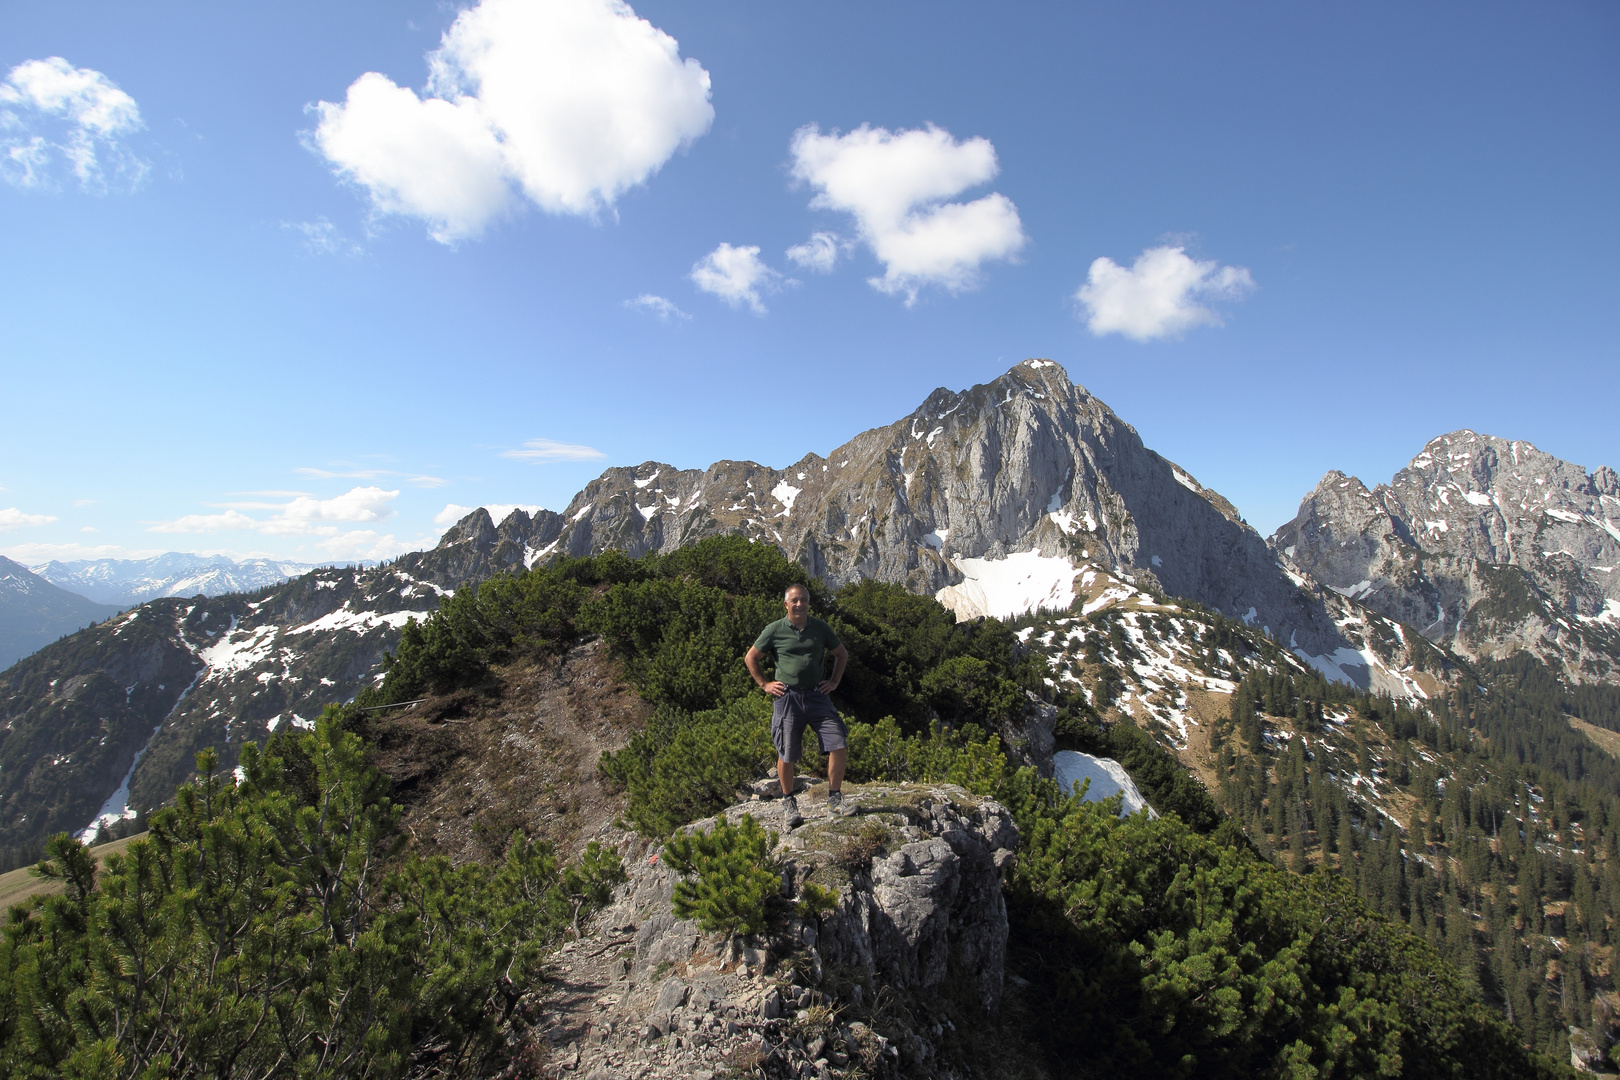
<point>34,612</point>
<point>126,582</point>
<point>1024,492</point>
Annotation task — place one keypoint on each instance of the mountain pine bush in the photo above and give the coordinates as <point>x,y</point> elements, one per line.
<point>727,875</point>
<point>268,928</point>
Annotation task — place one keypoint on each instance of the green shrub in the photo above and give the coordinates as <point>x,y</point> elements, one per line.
<point>685,766</point>
<point>967,756</point>
<point>815,901</point>
<point>728,874</point>
<point>965,689</point>
<point>255,932</point>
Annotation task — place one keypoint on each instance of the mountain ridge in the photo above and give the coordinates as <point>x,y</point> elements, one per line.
<point>125,582</point>
<point>1025,475</point>
<point>35,612</point>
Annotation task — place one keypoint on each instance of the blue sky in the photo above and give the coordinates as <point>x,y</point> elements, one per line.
<point>236,319</point>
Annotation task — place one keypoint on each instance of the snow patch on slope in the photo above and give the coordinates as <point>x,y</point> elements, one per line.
<point>1108,778</point>
<point>1022,582</point>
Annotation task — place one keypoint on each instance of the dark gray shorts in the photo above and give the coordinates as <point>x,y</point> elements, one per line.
<point>798,708</point>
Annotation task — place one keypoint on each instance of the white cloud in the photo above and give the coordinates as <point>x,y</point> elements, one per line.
<point>303,515</point>
<point>656,306</point>
<point>549,450</point>
<point>358,473</point>
<point>367,544</point>
<point>35,556</point>
<point>736,275</point>
<point>818,253</point>
<point>195,523</point>
<point>1159,295</point>
<point>51,111</point>
<point>321,237</point>
<point>451,514</point>
<point>499,512</point>
<point>356,504</point>
<point>13,518</point>
<point>895,185</point>
<point>569,102</point>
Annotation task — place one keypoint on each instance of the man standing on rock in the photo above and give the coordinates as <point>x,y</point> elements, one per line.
<point>797,645</point>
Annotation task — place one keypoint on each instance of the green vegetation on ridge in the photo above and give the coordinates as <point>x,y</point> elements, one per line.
<point>1157,947</point>
<point>1165,947</point>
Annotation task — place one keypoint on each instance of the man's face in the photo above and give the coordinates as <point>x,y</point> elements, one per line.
<point>797,603</point>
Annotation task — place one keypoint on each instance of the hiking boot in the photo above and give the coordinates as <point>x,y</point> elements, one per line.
<point>790,812</point>
<point>835,803</point>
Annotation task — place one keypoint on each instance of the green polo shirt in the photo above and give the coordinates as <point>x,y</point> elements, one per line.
<point>797,654</point>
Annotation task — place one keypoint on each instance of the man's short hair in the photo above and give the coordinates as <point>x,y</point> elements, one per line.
<point>789,591</point>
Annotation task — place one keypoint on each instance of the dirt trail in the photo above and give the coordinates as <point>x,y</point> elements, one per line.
<point>469,770</point>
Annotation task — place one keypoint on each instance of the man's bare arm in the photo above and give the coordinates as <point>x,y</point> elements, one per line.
<point>755,661</point>
<point>840,657</point>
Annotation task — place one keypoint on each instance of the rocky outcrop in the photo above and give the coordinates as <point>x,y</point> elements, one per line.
<point>1485,545</point>
<point>919,922</point>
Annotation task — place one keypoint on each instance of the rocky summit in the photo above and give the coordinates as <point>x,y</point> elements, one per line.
<point>917,933</point>
<point>1485,545</point>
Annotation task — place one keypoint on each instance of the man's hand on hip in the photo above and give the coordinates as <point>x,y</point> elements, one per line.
<point>775,689</point>
<point>827,686</point>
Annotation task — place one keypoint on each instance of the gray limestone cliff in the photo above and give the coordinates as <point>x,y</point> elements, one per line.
<point>1029,462</point>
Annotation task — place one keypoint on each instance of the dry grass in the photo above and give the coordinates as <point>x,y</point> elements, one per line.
<point>21,885</point>
<point>1605,740</point>
<point>472,770</point>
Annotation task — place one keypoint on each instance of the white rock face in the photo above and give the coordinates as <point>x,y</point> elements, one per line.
<point>1107,776</point>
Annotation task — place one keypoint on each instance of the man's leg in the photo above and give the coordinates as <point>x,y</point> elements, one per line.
<point>784,774</point>
<point>835,768</point>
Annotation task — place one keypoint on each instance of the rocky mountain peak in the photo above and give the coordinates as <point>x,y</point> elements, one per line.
<point>1489,543</point>
<point>1020,492</point>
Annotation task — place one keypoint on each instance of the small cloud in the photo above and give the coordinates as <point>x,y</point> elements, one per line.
<point>85,502</point>
<point>321,237</point>
<point>13,518</point>
<point>427,481</point>
<point>366,544</point>
<point>736,275</point>
<point>204,523</point>
<point>54,115</point>
<point>356,504</point>
<point>817,254</point>
<point>35,556</point>
<point>538,450</point>
<point>656,306</point>
<point>1159,296</point>
<point>348,474</point>
<point>894,184</point>
<point>89,528</point>
<point>451,514</point>
<point>566,104</point>
<point>303,515</point>
<point>498,512</point>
